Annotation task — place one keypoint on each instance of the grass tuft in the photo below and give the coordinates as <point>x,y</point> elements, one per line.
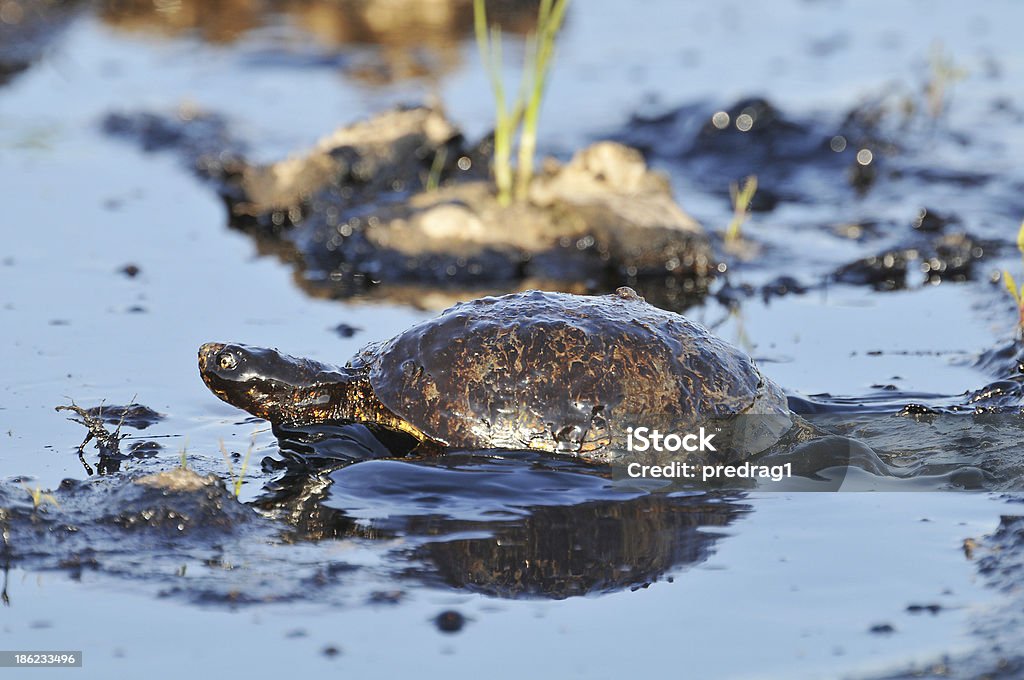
<point>741,199</point>
<point>540,54</point>
<point>436,168</point>
<point>1011,284</point>
<point>520,116</point>
<point>944,72</point>
<point>39,497</point>
<point>184,455</point>
<point>239,479</point>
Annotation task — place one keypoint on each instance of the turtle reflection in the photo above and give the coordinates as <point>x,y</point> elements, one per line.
<point>518,526</point>
<point>597,547</point>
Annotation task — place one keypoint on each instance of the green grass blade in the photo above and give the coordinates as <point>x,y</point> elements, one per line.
<point>522,116</point>
<point>741,200</point>
<point>538,65</point>
<point>1011,286</point>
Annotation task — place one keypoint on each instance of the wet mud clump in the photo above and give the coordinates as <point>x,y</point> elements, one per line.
<point>882,146</point>
<point>403,199</point>
<point>794,160</point>
<point>850,172</point>
<point>118,524</point>
<point>950,257</point>
<point>175,532</point>
<point>137,416</point>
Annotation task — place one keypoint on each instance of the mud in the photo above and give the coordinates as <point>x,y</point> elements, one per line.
<point>129,528</point>
<point>592,540</point>
<point>951,257</point>
<point>107,443</point>
<point>863,162</point>
<point>806,160</point>
<point>792,158</point>
<point>402,198</point>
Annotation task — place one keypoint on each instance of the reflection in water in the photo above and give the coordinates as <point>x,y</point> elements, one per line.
<point>411,38</point>
<point>504,524</point>
<point>526,525</point>
<point>216,21</point>
<point>27,29</point>
<point>519,526</point>
<point>596,547</point>
<point>666,292</point>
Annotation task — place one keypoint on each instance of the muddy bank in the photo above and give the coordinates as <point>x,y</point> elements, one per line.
<point>508,525</point>
<point>403,199</point>
<point>951,257</point>
<point>886,145</point>
<point>888,168</point>
<point>465,523</point>
<point>143,527</point>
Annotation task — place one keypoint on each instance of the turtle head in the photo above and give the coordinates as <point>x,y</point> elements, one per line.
<point>264,382</point>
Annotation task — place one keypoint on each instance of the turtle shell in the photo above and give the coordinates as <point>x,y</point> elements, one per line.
<point>560,372</point>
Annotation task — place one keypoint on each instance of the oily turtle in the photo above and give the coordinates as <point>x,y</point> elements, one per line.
<point>534,370</point>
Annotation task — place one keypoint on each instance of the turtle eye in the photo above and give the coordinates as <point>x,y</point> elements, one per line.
<point>227,361</point>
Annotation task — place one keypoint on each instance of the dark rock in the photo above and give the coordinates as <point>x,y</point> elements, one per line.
<point>450,621</point>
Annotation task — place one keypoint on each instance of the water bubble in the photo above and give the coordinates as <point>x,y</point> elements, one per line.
<point>585,242</point>
<point>744,122</point>
<point>720,120</point>
<point>864,157</point>
<point>838,143</point>
<point>11,13</point>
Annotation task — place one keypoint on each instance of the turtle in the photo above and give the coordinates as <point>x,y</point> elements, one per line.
<point>535,370</point>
